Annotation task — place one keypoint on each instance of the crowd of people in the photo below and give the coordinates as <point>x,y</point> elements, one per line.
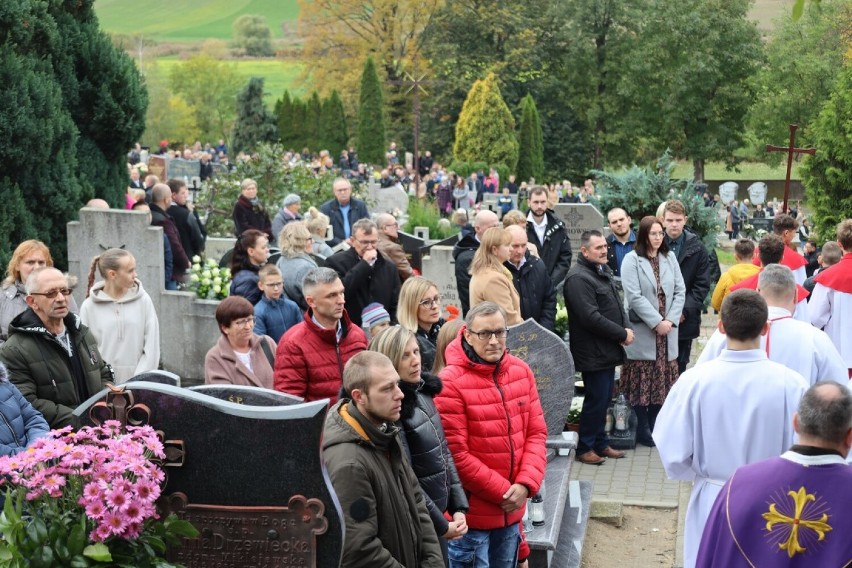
<point>434,440</point>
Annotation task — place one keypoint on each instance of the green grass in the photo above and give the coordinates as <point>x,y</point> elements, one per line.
<point>190,20</point>
<point>725,257</point>
<point>749,170</point>
<point>278,74</point>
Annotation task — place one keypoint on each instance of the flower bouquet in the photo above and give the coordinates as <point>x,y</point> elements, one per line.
<point>207,280</point>
<point>87,498</point>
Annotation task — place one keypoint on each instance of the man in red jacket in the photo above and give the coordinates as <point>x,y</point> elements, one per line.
<point>495,429</point>
<point>311,355</point>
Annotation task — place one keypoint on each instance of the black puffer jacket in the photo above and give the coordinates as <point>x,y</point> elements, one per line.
<point>427,341</point>
<point>463,255</point>
<point>424,441</point>
<point>538,297</point>
<point>596,319</point>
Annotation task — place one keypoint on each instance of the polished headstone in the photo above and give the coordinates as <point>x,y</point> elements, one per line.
<point>412,246</point>
<point>250,478</point>
<point>550,360</point>
<point>161,377</point>
<point>578,218</point>
<point>250,396</point>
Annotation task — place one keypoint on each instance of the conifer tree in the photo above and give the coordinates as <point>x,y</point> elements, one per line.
<point>284,115</point>
<point>333,133</point>
<point>485,131</point>
<point>827,175</point>
<point>531,145</point>
<point>312,122</point>
<point>371,119</point>
<point>298,136</point>
<point>255,123</point>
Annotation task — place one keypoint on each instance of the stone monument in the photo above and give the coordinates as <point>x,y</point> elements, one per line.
<point>579,218</point>
<point>757,193</point>
<point>439,267</point>
<point>728,191</point>
<point>249,478</point>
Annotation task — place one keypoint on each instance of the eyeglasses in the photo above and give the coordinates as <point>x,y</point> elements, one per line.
<point>244,322</point>
<point>274,284</point>
<point>486,334</point>
<point>656,234</point>
<point>367,243</point>
<point>53,293</point>
<point>394,225</point>
<point>429,302</point>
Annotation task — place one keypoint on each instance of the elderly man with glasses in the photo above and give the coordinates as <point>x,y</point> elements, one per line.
<point>389,244</point>
<point>366,274</point>
<point>52,357</point>
<point>495,429</point>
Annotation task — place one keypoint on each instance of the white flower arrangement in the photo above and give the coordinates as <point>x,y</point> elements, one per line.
<point>208,280</point>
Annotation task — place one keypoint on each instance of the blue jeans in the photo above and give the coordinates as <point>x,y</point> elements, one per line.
<point>497,548</point>
<point>598,393</point>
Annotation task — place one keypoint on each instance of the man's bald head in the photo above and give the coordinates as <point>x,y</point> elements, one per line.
<point>824,417</point>
<point>518,245</point>
<point>161,194</point>
<point>97,203</point>
<point>485,220</point>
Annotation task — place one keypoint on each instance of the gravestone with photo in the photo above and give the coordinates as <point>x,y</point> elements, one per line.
<point>250,396</point>
<point>249,478</point>
<point>578,218</point>
<point>728,191</point>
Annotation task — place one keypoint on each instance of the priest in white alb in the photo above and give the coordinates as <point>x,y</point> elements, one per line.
<point>795,344</point>
<point>831,303</point>
<point>729,412</point>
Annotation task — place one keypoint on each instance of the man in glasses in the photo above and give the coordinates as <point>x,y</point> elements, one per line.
<point>366,274</point>
<point>495,429</point>
<point>389,244</point>
<point>52,358</point>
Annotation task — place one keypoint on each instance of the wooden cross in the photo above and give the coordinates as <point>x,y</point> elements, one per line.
<point>791,151</point>
<point>415,84</point>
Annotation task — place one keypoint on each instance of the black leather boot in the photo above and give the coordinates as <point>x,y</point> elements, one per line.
<point>643,431</point>
<point>653,411</point>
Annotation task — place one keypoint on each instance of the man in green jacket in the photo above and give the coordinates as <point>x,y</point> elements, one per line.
<point>52,358</point>
<point>387,523</point>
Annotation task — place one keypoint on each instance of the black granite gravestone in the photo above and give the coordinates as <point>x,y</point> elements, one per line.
<point>249,478</point>
<point>161,377</point>
<point>412,246</point>
<point>250,396</point>
<point>550,360</point>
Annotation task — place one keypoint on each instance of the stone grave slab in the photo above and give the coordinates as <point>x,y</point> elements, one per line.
<point>412,246</point>
<point>578,218</point>
<point>757,193</point>
<point>391,200</point>
<point>161,377</point>
<point>249,396</point>
<point>178,168</point>
<point>439,267</point>
<point>728,191</point>
<point>422,233</point>
<point>550,360</point>
<point>250,478</point>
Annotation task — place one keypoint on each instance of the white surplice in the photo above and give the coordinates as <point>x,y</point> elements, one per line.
<point>795,344</point>
<point>831,310</point>
<point>729,412</point>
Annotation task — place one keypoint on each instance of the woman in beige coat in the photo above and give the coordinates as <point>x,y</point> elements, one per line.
<point>239,357</point>
<point>490,280</point>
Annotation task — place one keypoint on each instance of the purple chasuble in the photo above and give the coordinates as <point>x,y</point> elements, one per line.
<point>779,512</point>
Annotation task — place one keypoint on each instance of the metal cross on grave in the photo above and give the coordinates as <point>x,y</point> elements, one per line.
<point>415,84</point>
<point>791,151</point>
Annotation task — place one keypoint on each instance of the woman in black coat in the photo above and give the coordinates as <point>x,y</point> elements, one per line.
<point>423,436</point>
<point>249,212</point>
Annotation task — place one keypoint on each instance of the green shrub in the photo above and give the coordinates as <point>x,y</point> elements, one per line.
<point>425,214</point>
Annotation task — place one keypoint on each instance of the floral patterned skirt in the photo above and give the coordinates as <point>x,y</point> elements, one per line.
<point>648,382</point>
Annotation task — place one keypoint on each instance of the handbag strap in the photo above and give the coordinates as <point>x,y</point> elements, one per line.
<point>268,351</point>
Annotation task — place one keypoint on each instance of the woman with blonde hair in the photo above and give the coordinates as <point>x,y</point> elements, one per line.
<point>249,212</point>
<point>121,316</point>
<point>28,256</point>
<point>419,311</point>
<point>422,434</point>
<point>448,332</point>
<point>296,248</point>
<point>490,280</point>
<point>317,223</point>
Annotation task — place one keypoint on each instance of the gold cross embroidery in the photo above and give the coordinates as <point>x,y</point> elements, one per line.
<point>800,499</point>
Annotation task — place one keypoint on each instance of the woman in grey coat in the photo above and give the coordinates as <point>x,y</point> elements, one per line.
<point>295,244</point>
<point>654,294</point>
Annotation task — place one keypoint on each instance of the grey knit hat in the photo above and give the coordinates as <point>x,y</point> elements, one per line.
<point>291,199</point>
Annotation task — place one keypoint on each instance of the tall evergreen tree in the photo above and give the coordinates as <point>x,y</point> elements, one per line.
<point>531,148</point>
<point>827,175</point>
<point>255,123</point>
<point>298,135</point>
<point>333,133</point>
<point>313,112</point>
<point>485,131</point>
<point>371,119</point>
<point>284,116</point>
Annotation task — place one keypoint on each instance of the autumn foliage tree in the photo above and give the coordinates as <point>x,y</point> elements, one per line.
<point>485,131</point>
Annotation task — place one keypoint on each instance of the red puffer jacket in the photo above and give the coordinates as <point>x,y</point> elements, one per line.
<point>309,362</point>
<point>495,428</point>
